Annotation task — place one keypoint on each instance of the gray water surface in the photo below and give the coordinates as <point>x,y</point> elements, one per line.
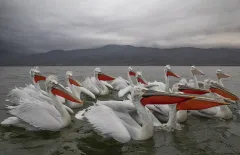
<point>199,135</point>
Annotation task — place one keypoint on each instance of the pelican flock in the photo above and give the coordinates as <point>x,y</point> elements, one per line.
<point>143,107</point>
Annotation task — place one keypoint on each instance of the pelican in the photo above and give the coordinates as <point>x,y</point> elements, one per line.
<point>129,107</point>
<point>165,110</point>
<point>219,89</point>
<point>222,112</point>
<point>220,75</point>
<point>162,111</point>
<point>42,115</point>
<point>195,72</point>
<point>76,89</point>
<point>119,124</point>
<point>36,77</point>
<point>32,91</point>
<point>98,83</point>
<point>124,91</point>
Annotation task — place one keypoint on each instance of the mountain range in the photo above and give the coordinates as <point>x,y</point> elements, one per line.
<point>117,55</point>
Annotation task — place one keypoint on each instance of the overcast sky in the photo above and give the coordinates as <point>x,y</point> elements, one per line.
<point>69,24</point>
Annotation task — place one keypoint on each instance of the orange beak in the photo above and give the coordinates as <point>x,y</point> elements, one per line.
<point>60,91</point>
<point>105,77</point>
<point>222,75</point>
<point>197,72</point>
<point>74,82</point>
<point>140,80</point>
<point>39,77</point>
<point>132,73</point>
<point>216,88</point>
<point>170,73</point>
<point>163,98</point>
<point>190,90</point>
<point>199,104</point>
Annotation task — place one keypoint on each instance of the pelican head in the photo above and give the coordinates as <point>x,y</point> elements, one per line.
<point>130,68</point>
<point>169,72</point>
<point>33,71</point>
<point>221,74</point>
<point>140,79</point>
<point>207,83</point>
<point>137,92</point>
<point>195,71</point>
<point>36,75</point>
<point>131,72</point>
<point>97,70</point>
<point>101,76</point>
<point>54,88</point>
<point>69,74</point>
<point>51,80</point>
<point>71,79</point>
<point>138,74</point>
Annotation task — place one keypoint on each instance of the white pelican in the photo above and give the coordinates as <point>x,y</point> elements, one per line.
<point>76,89</point>
<point>222,112</point>
<point>220,75</point>
<point>195,72</point>
<point>32,91</point>
<point>129,107</point>
<point>118,124</point>
<point>124,91</point>
<point>218,87</point>
<point>42,115</point>
<point>164,110</point>
<point>97,84</point>
<point>36,77</point>
<point>35,89</point>
<point>100,79</point>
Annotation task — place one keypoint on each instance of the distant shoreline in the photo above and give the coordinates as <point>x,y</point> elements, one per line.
<point>125,55</point>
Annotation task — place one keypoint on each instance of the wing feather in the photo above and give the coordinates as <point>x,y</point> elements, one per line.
<point>124,91</point>
<point>118,105</point>
<point>107,123</point>
<point>88,83</point>
<point>85,91</point>
<point>44,117</point>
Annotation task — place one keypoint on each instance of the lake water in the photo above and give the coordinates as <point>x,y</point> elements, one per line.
<point>199,136</point>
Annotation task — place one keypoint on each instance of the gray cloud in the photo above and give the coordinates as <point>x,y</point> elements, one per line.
<point>60,24</point>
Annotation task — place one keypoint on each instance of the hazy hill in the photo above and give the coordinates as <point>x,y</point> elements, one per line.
<point>127,55</point>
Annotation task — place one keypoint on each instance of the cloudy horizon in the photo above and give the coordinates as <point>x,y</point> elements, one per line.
<point>59,24</point>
